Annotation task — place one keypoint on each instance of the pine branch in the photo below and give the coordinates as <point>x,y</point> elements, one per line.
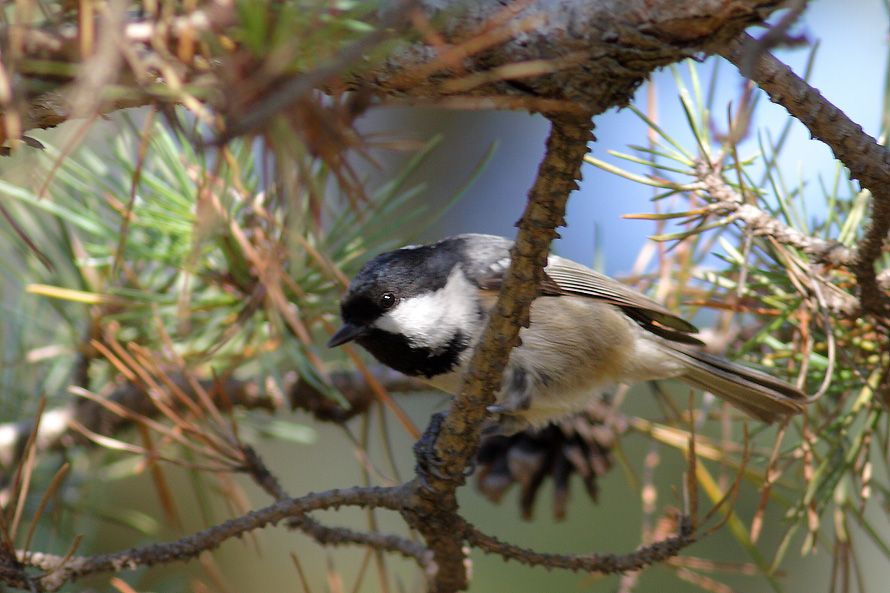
<point>614,47</point>
<point>729,201</point>
<point>761,223</point>
<point>868,161</point>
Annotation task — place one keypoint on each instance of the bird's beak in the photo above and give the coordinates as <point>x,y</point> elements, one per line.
<point>345,334</point>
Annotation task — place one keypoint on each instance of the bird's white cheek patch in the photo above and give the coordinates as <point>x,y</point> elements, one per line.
<point>432,320</point>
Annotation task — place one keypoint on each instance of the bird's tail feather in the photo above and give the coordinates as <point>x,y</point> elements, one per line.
<point>754,392</point>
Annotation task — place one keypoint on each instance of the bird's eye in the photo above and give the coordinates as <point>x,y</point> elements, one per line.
<point>387,300</point>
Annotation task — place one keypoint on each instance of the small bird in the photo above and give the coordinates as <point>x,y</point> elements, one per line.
<point>422,308</point>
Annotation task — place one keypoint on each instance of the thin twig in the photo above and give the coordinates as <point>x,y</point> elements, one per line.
<point>189,547</point>
<point>265,479</point>
<point>601,563</point>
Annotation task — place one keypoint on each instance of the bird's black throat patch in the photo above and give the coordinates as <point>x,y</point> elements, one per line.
<point>395,351</point>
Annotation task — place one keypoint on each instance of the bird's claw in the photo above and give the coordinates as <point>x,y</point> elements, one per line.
<point>428,462</point>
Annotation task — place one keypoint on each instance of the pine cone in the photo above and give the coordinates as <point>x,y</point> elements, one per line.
<point>579,444</point>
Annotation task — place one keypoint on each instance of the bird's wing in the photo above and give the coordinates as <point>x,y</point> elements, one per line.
<point>564,277</point>
<point>575,279</point>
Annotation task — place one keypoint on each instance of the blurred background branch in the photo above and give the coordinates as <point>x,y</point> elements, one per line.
<point>70,425</point>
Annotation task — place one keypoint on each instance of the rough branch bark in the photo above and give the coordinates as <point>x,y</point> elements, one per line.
<point>599,50</point>
<point>612,45</point>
